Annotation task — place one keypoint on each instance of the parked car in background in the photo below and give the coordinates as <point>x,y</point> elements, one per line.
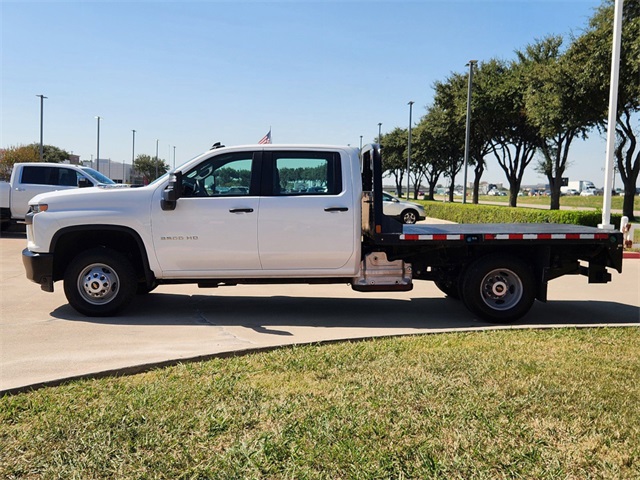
<point>588,192</point>
<point>406,212</point>
<point>496,193</point>
<point>29,179</point>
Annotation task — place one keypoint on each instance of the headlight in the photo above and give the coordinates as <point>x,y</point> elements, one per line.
<point>39,207</point>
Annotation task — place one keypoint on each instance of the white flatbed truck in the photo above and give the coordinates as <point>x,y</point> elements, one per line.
<point>271,214</point>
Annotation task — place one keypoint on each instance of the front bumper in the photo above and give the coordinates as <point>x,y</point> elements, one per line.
<point>39,268</point>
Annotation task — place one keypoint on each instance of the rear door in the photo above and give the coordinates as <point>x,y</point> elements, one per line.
<point>307,215</point>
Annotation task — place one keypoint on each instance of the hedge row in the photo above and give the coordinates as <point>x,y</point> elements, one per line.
<point>470,213</point>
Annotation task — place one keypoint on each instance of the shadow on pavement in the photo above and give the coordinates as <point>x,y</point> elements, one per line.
<point>259,313</point>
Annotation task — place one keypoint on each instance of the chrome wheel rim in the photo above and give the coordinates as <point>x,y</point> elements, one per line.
<point>501,289</point>
<point>98,283</point>
<point>409,218</point>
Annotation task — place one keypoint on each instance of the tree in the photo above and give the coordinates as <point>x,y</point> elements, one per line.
<point>17,154</point>
<point>394,155</point>
<point>555,107</point>
<point>592,50</point>
<point>427,155</point>
<point>52,154</point>
<point>514,138</point>
<point>149,167</point>
<point>483,124</point>
<point>448,126</point>
<point>29,153</point>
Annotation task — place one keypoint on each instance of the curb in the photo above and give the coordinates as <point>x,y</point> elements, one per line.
<point>631,255</point>
<point>147,367</point>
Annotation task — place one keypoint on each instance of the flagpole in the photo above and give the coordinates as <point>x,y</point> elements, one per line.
<point>609,172</point>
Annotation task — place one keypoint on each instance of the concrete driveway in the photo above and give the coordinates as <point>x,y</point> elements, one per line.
<point>43,341</point>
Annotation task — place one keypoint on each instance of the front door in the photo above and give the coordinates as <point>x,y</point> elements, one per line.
<point>214,228</point>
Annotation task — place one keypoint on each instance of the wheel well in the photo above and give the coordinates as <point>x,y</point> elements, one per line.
<point>70,243</point>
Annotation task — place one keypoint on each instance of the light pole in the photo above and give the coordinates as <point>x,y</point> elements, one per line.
<point>409,148</point>
<point>133,154</point>
<point>157,157</point>
<point>380,132</point>
<point>98,146</point>
<point>360,142</point>
<point>174,157</point>
<point>467,134</point>
<point>42,97</point>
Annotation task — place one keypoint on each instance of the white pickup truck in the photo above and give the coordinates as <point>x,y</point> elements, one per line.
<point>29,179</point>
<point>291,214</point>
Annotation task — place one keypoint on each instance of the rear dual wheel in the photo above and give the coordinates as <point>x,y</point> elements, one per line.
<point>499,288</point>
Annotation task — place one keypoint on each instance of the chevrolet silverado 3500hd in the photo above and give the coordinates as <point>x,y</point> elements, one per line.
<point>291,214</point>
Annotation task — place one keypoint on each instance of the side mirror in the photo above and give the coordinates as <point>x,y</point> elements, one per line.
<point>171,193</point>
<point>84,182</point>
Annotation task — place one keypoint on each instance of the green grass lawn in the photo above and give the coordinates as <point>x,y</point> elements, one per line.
<point>484,405</point>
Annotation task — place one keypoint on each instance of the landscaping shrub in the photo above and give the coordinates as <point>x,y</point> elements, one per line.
<point>470,213</point>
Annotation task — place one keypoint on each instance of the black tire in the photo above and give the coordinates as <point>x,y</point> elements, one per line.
<point>99,282</point>
<point>409,217</point>
<point>499,288</point>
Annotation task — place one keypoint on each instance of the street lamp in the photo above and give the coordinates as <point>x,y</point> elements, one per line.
<point>157,157</point>
<point>380,132</point>
<point>409,148</point>
<point>174,157</point>
<point>360,142</point>
<point>467,135</point>
<point>42,97</point>
<point>98,146</point>
<point>133,154</point>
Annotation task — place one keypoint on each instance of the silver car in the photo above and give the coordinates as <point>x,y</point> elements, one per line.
<point>406,212</point>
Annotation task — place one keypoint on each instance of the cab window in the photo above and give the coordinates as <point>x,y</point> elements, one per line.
<point>219,176</point>
<point>307,173</point>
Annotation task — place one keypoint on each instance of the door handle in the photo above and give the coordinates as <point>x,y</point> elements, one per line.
<point>336,209</point>
<point>241,210</point>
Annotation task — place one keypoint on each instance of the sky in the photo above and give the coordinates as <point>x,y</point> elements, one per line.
<point>189,74</point>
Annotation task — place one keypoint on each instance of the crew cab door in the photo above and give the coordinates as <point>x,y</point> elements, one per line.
<point>307,215</point>
<point>214,227</point>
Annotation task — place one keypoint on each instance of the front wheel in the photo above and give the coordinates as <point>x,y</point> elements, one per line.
<point>499,288</point>
<point>99,282</point>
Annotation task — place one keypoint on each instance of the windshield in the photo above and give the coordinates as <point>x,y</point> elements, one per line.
<point>98,176</point>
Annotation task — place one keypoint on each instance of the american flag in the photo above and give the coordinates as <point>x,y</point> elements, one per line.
<point>266,139</point>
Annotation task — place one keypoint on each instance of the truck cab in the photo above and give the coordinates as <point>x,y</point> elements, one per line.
<point>274,211</point>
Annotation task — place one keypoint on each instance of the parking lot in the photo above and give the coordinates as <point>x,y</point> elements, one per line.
<point>44,341</point>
